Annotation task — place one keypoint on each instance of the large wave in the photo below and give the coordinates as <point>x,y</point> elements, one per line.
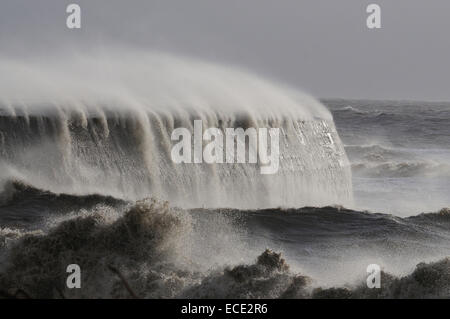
<point>101,123</point>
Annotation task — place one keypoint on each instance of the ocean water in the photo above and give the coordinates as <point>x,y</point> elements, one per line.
<point>399,153</point>
<point>86,178</point>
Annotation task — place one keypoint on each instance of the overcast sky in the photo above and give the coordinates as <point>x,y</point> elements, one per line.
<point>323,47</point>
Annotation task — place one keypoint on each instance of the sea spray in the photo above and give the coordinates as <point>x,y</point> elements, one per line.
<point>147,245</point>
<point>97,123</point>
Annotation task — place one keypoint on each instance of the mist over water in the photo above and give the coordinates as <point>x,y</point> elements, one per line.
<point>102,124</point>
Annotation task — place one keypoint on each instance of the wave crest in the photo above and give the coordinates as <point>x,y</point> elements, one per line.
<point>104,126</point>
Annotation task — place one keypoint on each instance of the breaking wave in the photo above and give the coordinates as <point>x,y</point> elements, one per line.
<point>149,250</point>
<point>102,124</point>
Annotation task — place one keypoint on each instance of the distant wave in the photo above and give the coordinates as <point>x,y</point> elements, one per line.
<point>371,112</point>
<point>374,160</point>
<point>402,169</point>
<point>375,115</point>
<point>370,148</point>
<point>352,109</point>
<point>360,112</point>
<point>376,152</point>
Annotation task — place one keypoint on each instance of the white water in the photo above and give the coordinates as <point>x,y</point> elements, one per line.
<point>102,123</point>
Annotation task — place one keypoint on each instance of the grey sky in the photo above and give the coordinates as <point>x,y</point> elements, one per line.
<point>321,46</point>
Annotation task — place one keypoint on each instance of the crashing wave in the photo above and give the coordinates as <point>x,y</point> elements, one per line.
<point>102,124</point>
<point>153,251</point>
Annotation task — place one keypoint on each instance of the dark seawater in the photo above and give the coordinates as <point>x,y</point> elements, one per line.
<point>399,152</point>
<point>399,155</point>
